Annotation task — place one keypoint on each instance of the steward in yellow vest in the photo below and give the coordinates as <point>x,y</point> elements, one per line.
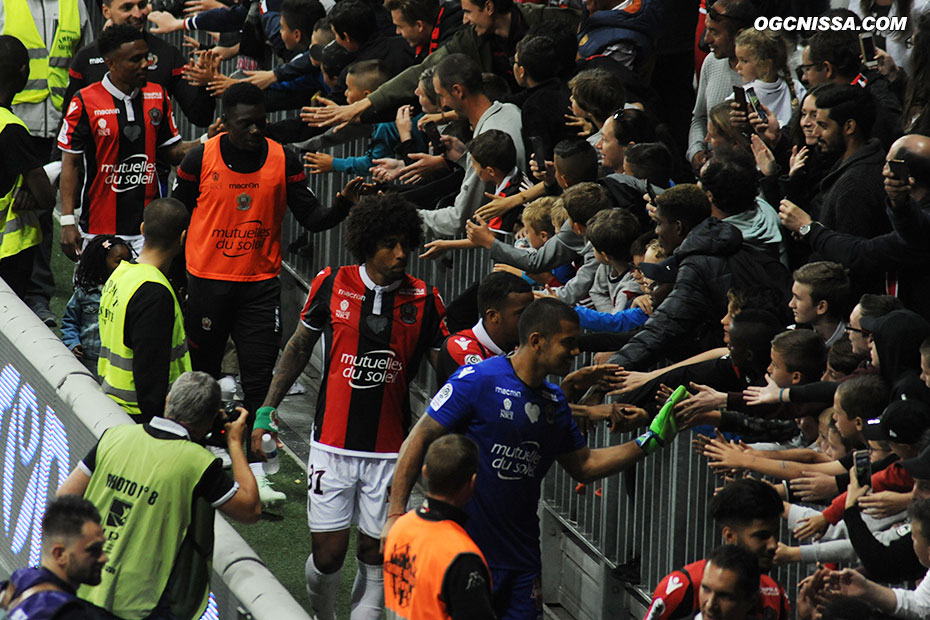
<point>24,186</point>
<point>48,68</point>
<point>157,489</point>
<point>432,569</point>
<point>143,349</point>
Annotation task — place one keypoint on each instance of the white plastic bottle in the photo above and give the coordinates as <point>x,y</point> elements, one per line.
<point>270,448</point>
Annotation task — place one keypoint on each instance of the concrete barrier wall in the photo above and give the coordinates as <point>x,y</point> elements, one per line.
<point>51,413</point>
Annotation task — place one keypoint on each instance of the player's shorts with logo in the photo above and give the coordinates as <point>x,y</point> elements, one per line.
<point>343,490</point>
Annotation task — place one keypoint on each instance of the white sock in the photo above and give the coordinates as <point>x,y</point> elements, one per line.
<point>322,589</point>
<point>368,592</point>
<point>257,470</point>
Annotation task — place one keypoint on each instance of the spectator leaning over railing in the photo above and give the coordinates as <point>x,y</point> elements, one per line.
<point>493,28</point>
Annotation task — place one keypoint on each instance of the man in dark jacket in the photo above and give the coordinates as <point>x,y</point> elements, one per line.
<point>851,198</point>
<point>688,321</point>
<point>495,27</point>
<point>901,259</point>
<point>544,97</point>
<point>355,25</point>
<point>426,25</point>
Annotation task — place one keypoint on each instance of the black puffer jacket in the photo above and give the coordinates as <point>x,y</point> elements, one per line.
<point>688,321</point>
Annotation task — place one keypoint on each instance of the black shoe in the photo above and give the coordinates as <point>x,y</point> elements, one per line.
<point>46,316</point>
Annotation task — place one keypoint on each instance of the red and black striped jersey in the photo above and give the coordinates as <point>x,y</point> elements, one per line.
<point>373,340</point>
<point>468,346</point>
<point>118,135</point>
<point>677,596</point>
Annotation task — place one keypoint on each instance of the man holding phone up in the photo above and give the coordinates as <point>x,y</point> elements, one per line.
<point>900,257</point>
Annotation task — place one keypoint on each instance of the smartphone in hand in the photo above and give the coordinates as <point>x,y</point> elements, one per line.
<point>435,140</point>
<point>756,105</point>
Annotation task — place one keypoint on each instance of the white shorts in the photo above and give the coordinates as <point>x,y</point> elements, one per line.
<point>343,489</point>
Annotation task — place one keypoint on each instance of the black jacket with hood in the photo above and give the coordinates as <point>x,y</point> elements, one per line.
<point>688,320</point>
<point>898,336</point>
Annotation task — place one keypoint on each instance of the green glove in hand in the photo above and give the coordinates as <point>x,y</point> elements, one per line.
<point>663,428</point>
<point>266,418</point>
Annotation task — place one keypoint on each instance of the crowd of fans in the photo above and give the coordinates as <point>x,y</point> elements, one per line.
<point>693,201</point>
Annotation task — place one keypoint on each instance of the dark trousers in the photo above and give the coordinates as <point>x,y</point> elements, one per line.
<point>41,285</point>
<point>250,312</point>
<point>15,270</point>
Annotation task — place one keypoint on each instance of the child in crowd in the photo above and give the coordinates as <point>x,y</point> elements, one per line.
<point>289,85</point>
<point>79,327</point>
<point>762,62</point>
<point>898,429</point>
<point>612,233</point>
<point>650,161</point>
<point>494,158</point>
<point>361,79</point>
<point>595,95</point>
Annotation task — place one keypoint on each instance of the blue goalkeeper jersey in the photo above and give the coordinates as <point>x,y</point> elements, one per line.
<point>519,431</point>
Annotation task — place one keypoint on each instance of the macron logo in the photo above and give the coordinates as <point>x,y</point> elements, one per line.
<point>466,371</point>
<point>674,583</point>
<point>462,341</point>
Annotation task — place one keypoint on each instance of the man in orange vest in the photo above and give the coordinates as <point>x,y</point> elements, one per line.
<point>238,186</point>
<point>432,569</point>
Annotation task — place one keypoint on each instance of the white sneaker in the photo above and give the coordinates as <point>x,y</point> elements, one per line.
<point>267,493</point>
<point>222,455</point>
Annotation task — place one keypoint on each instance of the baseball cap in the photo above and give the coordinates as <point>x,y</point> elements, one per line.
<point>903,421</point>
<point>664,272</point>
<point>316,51</point>
<point>335,58</point>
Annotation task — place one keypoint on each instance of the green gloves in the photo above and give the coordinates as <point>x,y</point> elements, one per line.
<point>266,419</point>
<point>663,428</point>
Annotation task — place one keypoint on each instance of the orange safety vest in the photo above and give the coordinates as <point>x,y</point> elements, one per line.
<point>235,231</point>
<point>416,556</point>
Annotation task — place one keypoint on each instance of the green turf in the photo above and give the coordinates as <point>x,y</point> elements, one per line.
<point>282,538</point>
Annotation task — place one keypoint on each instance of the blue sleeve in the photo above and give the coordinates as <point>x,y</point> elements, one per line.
<point>380,145</point>
<point>358,165</point>
<point>71,323</point>
<point>453,404</point>
<point>297,67</point>
<point>622,321</point>
<point>219,20</point>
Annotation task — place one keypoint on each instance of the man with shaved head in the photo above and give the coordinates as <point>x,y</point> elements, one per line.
<point>901,256</point>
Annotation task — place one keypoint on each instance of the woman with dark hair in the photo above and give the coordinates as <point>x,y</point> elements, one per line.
<point>805,163</point>
<point>621,129</point>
